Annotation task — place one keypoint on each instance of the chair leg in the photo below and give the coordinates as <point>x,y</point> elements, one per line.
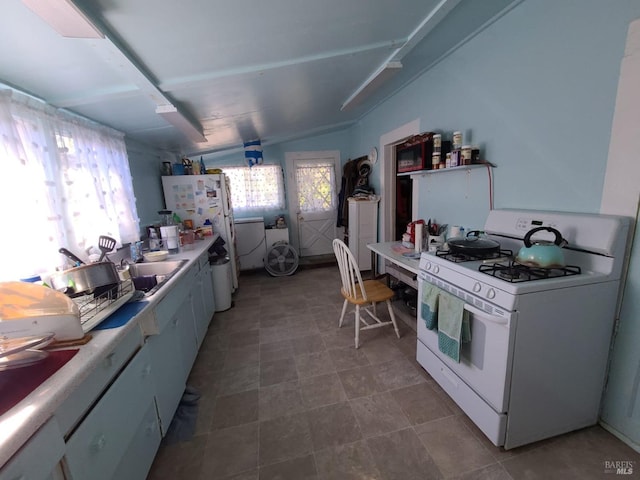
<point>357,322</point>
<point>344,309</point>
<point>374,306</point>
<point>393,317</point>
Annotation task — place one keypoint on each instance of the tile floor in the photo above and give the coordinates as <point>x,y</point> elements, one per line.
<point>286,396</point>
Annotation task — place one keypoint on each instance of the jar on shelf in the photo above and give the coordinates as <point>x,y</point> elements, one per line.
<point>437,143</point>
<point>457,140</point>
<point>465,155</point>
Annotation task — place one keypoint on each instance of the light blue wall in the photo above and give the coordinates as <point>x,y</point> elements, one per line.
<point>536,90</point>
<point>144,163</point>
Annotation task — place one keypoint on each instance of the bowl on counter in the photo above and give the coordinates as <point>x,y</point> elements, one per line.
<point>158,256</point>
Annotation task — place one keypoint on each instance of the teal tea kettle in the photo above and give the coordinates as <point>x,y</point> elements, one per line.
<point>542,253</point>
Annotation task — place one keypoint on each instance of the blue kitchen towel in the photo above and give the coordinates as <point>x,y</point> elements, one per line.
<point>429,310</point>
<point>453,325</point>
<point>121,316</point>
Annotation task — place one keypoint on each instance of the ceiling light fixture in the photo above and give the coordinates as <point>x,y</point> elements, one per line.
<point>175,118</point>
<point>380,76</point>
<point>65,18</point>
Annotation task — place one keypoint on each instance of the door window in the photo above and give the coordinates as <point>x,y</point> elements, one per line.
<point>315,182</point>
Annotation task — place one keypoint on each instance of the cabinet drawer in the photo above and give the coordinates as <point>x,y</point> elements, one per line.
<point>492,424</point>
<point>169,305</point>
<point>46,445</point>
<point>80,401</point>
<point>100,442</point>
<point>142,450</point>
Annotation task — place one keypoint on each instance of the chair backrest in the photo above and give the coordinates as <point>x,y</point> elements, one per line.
<point>349,272</point>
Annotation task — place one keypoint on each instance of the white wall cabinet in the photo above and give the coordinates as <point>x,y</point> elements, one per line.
<point>363,229</point>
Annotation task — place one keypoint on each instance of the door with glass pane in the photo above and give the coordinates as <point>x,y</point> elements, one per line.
<point>313,200</point>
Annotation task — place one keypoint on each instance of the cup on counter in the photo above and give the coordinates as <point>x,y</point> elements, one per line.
<point>170,238</point>
<point>455,231</point>
<point>435,242</point>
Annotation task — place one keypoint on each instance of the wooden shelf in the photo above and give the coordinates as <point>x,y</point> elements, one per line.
<point>443,170</point>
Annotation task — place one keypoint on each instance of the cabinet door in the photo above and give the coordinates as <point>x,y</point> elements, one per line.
<point>207,294</point>
<point>47,446</point>
<point>100,442</point>
<point>168,370</point>
<point>186,329</point>
<point>142,450</point>
<point>203,318</point>
<point>198,304</point>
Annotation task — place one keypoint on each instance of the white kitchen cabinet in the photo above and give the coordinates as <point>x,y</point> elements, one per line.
<point>82,398</point>
<point>47,446</point>
<point>172,352</point>
<point>137,461</point>
<point>203,301</point>
<point>102,440</point>
<point>363,229</point>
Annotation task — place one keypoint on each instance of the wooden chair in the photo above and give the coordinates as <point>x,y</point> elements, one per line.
<point>366,294</point>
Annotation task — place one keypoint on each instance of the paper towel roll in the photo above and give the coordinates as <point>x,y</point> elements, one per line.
<point>418,237</point>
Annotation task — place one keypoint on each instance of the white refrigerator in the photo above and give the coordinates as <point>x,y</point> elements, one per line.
<point>205,197</point>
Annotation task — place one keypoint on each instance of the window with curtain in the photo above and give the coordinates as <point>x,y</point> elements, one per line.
<point>66,181</point>
<point>256,188</point>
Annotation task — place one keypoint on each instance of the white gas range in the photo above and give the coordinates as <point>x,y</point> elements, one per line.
<point>536,363</point>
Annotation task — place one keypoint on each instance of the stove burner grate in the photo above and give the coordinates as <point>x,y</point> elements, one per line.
<point>458,257</point>
<point>514,272</point>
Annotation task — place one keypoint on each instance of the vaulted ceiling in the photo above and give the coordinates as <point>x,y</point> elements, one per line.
<point>233,70</point>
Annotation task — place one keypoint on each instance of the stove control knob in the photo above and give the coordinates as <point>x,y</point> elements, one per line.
<point>491,293</point>
<point>477,287</point>
<point>428,266</point>
<point>436,269</point>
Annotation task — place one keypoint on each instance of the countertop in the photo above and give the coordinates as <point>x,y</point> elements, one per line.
<point>392,252</point>
<point>23,420</point>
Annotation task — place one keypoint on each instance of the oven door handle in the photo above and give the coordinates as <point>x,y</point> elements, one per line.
<point>485,315</point>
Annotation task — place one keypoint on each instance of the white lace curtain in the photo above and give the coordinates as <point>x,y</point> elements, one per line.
<point>315,182</point>
<point>65,182</point>
<point>258,187</point>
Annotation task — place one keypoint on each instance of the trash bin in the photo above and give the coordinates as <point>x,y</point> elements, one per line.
<point>221,272</point>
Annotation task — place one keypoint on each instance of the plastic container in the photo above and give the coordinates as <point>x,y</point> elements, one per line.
<point>166,217</point>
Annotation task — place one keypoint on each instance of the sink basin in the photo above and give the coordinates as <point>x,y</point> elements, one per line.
<point>150,277</point>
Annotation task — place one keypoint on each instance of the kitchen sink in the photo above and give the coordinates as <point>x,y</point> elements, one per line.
<point>150,277</point>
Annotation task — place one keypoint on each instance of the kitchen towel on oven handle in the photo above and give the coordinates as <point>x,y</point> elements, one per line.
<point>429,310</point>
<point>453,325</point>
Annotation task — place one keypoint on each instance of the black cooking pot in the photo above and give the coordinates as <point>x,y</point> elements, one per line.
<point>473,244</point>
